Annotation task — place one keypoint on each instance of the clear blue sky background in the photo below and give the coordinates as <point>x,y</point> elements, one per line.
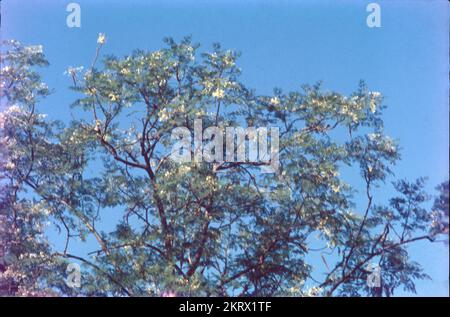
<point>284,44</point>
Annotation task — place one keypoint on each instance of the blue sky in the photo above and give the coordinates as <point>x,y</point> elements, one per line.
<point>284,44</point>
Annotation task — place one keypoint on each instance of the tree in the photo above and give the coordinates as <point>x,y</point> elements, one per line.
<point>203,228</point>
<point>440,210</point>
<point>26,265</point>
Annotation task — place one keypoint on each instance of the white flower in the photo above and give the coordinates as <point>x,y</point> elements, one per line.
<point>14,109</point>
<point>113,97</point>
<point>35,49</point>
<point>125,71</point>
<point>313,291</point>
<point>375,94</point>
<point>71,71</point>
<point>373,106</point>
<point>228,60</point>
<point>10,166</point>
<point>184,169</point>
<point>101,39</point>
<point>219,93</point>
<point>98,125</point>
<point>164,114</point>
<point>275,101</point>
<point>335,188</point>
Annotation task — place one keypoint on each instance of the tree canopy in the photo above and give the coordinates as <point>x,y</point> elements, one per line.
<point>199,228</point>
